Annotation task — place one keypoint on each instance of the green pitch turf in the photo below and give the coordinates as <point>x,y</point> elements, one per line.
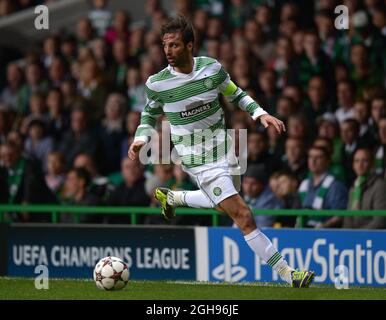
<point>23,288</point>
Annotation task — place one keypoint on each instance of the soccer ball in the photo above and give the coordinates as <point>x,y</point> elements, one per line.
<point>111,273</point>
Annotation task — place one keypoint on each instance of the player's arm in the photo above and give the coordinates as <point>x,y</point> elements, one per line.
<point>239,97</point>
<point>149,115</point>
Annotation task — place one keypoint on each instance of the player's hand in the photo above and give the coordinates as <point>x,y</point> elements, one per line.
<point>134,149</point>
<point>267,119</point>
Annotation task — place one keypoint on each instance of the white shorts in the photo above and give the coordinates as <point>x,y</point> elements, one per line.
<point>216,181</point>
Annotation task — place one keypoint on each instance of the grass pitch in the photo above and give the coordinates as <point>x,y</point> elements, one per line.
<point>64,289</point>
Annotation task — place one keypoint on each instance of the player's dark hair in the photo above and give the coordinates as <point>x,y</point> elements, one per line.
<point>179,24</point>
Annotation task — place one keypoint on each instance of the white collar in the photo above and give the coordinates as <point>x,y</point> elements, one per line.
<point>180,74</point>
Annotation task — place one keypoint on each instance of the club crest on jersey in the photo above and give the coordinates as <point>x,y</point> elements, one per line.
<point>217,191</point>
<point>195,111</point>
<point>208,83</point>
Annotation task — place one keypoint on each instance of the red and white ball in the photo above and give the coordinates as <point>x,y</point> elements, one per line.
<point>111,273</point>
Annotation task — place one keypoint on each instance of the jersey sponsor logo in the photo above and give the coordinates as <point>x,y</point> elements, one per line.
<point>195,111</point>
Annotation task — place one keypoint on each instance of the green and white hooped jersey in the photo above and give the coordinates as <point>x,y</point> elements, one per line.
<point>190,103</point>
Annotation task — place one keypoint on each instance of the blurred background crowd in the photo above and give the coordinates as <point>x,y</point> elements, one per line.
<point>68,112</point>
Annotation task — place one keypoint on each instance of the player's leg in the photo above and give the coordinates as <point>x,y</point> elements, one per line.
<point>193,199</point>
<point>218,188</point>
<point>170,200</point>
<point>198,199</point>
<point>241,214</point>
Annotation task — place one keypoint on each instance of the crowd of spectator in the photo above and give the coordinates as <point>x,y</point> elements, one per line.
<point>69,112</point>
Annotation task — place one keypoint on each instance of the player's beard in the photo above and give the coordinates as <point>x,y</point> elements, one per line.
<point>182,60</point>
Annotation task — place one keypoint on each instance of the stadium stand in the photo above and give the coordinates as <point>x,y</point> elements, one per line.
<point>82,91</point>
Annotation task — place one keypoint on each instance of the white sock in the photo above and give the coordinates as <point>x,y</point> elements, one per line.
<point>193,199</point>
<point>264,248</point>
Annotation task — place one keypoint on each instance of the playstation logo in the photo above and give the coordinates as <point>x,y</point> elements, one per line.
<point>230,270</point>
